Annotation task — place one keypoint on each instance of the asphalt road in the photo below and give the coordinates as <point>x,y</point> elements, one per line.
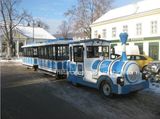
<point>24,98</point>
<point>32,95</point>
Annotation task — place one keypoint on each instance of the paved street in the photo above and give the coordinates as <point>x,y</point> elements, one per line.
<point>23,97</point>
<point>32,95</point>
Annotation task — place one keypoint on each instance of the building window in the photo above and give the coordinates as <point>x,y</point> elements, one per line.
<point>154,50</point>
<point>139,29</point>
<point>96,34</point>
<point>140,46</point>
<point>125,28</point>
<point>114,32</point>
<point>153,27</point>
<point>104,33</point>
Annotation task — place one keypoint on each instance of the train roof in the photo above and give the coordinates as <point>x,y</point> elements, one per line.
<point>56,42</point>
<point>91,40</point>
<point>61,42</point>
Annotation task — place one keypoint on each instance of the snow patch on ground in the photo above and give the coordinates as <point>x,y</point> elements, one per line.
<point>15,60</point>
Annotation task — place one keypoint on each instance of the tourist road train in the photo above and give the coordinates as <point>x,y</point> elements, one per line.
<point>88,62</point>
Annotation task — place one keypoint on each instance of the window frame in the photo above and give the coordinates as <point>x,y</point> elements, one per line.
<point>125,28</point>
<point>61,50</point>
<point>114,30</point>
<point>33,52</point>
<point>92,52</point>
<point>50,52</point>
<point>70,52</point>
<point>104,33</point>
<point>154,27</point>
<point>106,52</point>
<point>139,29</point>
<point>82,54</point>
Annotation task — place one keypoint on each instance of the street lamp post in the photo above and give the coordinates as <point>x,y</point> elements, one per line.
<point>33,31</point>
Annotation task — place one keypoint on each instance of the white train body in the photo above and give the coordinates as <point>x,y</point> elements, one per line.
<point>99,71</point>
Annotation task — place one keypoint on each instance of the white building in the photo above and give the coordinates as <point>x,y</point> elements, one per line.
<point>32,35</point>
<point>140,20</point>
<point>27,35</point>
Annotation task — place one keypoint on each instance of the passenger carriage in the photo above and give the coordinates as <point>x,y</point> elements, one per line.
<point>53,57</point>
<point>50,57</point>
<point>90,64</point>
<point>30,56</point>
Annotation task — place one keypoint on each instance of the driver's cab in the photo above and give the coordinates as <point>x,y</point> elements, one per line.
<point>85,56</point>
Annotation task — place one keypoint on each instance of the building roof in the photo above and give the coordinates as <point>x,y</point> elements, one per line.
<point>39,33</point>
<point>139,7</point>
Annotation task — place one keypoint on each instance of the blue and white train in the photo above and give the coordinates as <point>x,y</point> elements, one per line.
<point>49,57</point>
<point>90,64</point>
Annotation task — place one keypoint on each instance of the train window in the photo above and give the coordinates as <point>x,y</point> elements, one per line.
<point>78,53</point>
<point>54,52</point>
<point>62,53</point>
<point>42,52</point>
<point>45,52</point>
<point>39,52</point>
<point>92,52</point>
<point>35,53</point>
<point>50,52</point>
<point>105,51</point>
<point>65,52</point>
<point>59,53</point>
<point>29,52</point>
<point>24,52</point>
<point>70,50</point>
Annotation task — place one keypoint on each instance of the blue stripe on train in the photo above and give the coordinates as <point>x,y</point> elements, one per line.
<point>59,65</point>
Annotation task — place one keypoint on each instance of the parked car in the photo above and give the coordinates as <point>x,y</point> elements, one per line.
<point>153,70</point>
<point>141,60</point>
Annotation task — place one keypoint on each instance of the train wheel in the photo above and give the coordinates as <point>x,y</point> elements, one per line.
<point>106,89</point>
<point>57,76</point>
<point>35,68</point>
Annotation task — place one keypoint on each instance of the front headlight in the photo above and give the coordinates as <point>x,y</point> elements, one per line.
<point>120,81</point>
<point>154,68</point>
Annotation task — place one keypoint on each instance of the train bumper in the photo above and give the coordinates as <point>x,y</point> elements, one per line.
<point>132,88</point>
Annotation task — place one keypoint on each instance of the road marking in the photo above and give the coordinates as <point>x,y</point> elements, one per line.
<point>30,82</point>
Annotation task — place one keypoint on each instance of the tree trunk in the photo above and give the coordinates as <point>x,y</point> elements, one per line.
<point>9,51</point>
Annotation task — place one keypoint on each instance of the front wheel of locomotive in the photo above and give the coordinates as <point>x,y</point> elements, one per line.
<point>105,89</point>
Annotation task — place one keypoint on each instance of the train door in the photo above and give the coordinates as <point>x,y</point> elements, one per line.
<point>78,57</point>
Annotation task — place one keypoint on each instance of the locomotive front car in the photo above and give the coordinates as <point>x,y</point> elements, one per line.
<point>90,65</point>
<point>30,56</point>
<point>53,56</point>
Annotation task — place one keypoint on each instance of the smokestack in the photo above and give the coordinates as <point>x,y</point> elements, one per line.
<point>123,38</point>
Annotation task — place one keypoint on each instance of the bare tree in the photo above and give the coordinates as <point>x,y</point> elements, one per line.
<point>41,24</point>
<point>85,13</point>
<point>64,29</point>
<point>10,19</point>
